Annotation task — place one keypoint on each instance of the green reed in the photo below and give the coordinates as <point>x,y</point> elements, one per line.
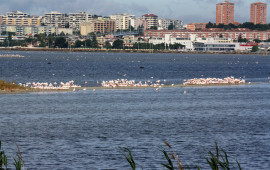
<point>18,161</point>
<point>218,161</point>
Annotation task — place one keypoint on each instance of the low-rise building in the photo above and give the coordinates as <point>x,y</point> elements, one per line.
<point>66,31</point>
<point>212,33</point>
<point>28,30</point>
<point>163,24</point>
<point>193,42</point>
<point>196,26</point>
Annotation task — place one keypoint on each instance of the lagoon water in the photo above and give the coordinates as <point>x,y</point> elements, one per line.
<point>83,130</point>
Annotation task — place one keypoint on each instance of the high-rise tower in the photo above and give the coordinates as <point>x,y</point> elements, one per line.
<point>258,13</point>
<point>224,13</point>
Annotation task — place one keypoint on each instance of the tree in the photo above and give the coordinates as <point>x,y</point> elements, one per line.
<point>78,43</point>
<point>118,44</point>
<point>257,40</point>
<point>60,42</point>
<point>210,25</point>
<point>240,39</point>
<point>255,48</point>
<point>94,43</point>
<point>108,45</point>
<point>171,27</point>
<point>153,28</point>
<point>249,25</point>
<point>176,46</point>
<point>62,34</point>
<point>220,26</point>
<point>88,43</point>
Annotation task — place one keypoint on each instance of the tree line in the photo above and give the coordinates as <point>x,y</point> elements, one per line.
<point>249,25</point>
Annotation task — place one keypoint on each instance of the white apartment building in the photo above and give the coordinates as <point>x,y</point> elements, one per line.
<point>151,20</point>
<point>163,24</point>
<point>75,19</point>
<point>124,21</point>
<point>56,19</point>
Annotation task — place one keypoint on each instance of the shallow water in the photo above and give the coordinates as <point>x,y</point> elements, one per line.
<point>83,130</point>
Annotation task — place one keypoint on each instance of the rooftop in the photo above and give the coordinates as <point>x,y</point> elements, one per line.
<point>225,3</point>
<point>149,15</point>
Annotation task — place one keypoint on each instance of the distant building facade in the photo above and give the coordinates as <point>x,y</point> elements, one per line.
<point>211,33</point>
<point>101,25</point>
<point>75,19</point>
<point>56,19</point>
<point>29,30</point>
<point>258,13</point>
<point>151,20</point>
<point>225,13</point>
<point>163,24</point>
<point>124,21</point>
<point>19,18</point>
<point>196,26</point>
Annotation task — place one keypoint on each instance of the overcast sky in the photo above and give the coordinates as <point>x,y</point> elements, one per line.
<point>186,10</point>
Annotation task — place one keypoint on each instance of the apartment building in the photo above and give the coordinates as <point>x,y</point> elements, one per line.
<point>56,19</point>
<point>151,20</point>
<point>124,21</point>
<point>258,13</point>
<point>75,19</point>
<point>28,30</point>
<point>101,25</point>
<point>141,24</point>
<point>225,13</point>
<point>211,33</point>
<point>163,24</point>
<point>196,26</point>
<point>19,18</point>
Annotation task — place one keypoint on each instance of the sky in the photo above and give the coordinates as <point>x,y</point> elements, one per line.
<point>186,10</point>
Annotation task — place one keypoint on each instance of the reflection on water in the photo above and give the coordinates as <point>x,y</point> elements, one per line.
<point>82,130</point>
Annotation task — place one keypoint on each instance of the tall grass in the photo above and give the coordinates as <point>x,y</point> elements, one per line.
<point>216,161</point>
<point>18,161</point>
<point>3,159</point>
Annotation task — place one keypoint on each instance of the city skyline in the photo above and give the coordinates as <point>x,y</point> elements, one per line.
<point>204,10</point>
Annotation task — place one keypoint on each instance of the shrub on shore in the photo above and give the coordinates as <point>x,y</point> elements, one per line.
<point>9,86</point>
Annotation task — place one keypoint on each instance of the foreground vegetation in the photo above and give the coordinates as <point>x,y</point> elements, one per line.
<point>216,161</point>
<point>17,161</point>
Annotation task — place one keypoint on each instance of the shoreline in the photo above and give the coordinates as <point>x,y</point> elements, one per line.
<point>125,51</point>
<point>29,90</point>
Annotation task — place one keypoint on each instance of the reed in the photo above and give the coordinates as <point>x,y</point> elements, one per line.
<point>126,152</point>
<point>18,161</point>
<point>220,160</point>
<point>3,159</point>
<point>217,161</point>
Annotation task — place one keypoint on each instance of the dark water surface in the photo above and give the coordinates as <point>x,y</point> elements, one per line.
<point>83,130</point>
